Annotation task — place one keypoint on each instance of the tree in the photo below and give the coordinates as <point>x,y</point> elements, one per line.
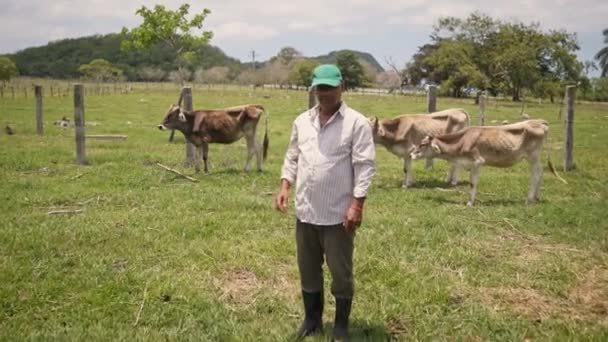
<point>8,69</point>
<point>172,28</point>
<point>180,76</point>
<point>390,80</point>
<point>214,75</point>
<point>287,54</point>
<point>100,70</point>
<point>352,70</point>
<point>151,74</point>
<point>602,55</point>
<point>301,72</point>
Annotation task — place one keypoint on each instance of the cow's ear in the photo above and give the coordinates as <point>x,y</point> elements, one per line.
<point>182,116</point>
<point>375,123</point>
<point>435,147</point>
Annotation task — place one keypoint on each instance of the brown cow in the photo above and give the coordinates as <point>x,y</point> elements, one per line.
<point>500,146</point>
<point>399,135</point>
<point>224,126</point>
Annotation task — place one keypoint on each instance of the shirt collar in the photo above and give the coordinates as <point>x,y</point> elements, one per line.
<point>314,111</point>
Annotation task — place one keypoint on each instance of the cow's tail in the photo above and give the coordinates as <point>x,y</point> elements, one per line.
<point>550,164</point>
<point>266,141</point>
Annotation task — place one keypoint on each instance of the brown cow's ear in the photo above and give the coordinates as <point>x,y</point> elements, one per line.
<point>435,147</point>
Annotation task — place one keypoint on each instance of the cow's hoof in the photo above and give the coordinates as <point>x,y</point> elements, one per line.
<point>407,185</point>
<point>469,204</point>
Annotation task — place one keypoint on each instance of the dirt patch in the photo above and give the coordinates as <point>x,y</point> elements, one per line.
<point>592,291</point>
<point>242,286</point>
<point>586,301</point>
<point>239,286</point>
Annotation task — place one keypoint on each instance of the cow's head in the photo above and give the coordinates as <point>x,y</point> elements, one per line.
<point>174,118</point>
<point>378,131</point>
<point>427,148</point>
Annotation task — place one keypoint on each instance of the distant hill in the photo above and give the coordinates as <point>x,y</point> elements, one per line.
<point>367,57</point>
<point>62,58</point>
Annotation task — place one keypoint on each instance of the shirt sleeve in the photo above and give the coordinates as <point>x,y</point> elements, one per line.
<point>290,164</point>
<point>363,158</point>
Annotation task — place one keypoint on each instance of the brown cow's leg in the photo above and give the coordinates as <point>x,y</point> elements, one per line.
<point>474,180</point>
<point>205,149</point>
<point>408,179</point>
<point>197,159</point>
<point>536,174</point>
<point>251,150</point>
<point>452,178</point>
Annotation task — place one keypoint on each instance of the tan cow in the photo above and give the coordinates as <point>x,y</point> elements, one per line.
<point>224,126</point>
<point>401,134</point>
<point>500,146</point>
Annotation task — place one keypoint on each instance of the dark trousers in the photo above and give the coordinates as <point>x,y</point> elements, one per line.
<point>336,245</point>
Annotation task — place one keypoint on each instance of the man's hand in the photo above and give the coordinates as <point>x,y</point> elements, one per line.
<point>280,202</point>
<point>352,220</point>
<point>354,215</point>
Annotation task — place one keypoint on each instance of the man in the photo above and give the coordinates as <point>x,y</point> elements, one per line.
<point>331,160</point>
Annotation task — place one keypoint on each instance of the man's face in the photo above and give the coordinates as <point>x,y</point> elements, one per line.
<point>328,96</point>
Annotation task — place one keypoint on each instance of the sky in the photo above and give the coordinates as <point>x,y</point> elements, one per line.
<point>388,29</point>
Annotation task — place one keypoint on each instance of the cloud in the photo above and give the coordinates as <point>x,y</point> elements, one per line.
<point>387,26</point>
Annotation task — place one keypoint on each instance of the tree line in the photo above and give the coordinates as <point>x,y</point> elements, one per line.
<point>464,57</point>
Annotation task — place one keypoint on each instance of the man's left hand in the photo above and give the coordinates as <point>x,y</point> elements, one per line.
<point>353,218</point>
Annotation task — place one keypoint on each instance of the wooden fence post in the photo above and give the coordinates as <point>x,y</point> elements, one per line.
<point>79,124</point>
<point>190,148</point>
<point>569,128</point>
<point>431,99</point>
<point>39,123</point>
<point>482,108</point>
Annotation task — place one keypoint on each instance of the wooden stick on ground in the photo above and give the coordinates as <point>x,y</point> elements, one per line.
<point>177,173</point>
<point>141,307</point>
<point>71,211</point>
<point>106,137</point>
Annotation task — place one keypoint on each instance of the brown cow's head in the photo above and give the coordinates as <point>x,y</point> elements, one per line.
<point>428,148</point>
<point>174,119</point>
<point>378,130</point>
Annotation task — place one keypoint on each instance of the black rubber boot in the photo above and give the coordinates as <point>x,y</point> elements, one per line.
<point>313,314</point>
<point>343,306</point>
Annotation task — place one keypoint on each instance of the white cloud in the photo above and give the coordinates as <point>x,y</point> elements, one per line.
<point>241,30</point>
<point>305,24</point>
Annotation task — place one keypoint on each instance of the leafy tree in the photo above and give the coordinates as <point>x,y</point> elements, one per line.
<point>151,74</point>
<point>602,55</point>
<point>301,72</point>
<point>352,70</point>
<point>100,70</point>
<point>8,69</point>
<point>171,28</point>
<point>287,54</point>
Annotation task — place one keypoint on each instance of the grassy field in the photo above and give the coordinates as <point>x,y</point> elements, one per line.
<point>155,257</point>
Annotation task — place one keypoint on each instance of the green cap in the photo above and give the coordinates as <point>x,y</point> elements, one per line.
<point>327,74</point>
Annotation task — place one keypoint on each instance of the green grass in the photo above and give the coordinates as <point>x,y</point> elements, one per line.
<point>213,261</point>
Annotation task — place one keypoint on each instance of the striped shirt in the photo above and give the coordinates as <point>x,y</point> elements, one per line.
<point>330,164</point>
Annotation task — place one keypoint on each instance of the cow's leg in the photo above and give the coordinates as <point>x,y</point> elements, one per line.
<point>258,153</point>
<point>429,163</point>
<point>251,150</point>
<point>452,178</point>
<point>408,179</point>
<point>474,178</point>
<point>536,174</point>
<point>198,153</point>
<point>205,149</point>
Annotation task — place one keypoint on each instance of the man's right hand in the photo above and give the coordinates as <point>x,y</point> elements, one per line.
<point>280,202</point>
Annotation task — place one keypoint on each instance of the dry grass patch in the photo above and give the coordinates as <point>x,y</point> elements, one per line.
<point>586,301</point>
<point>242,286</point>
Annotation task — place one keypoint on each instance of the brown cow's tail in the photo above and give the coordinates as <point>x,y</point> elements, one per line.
<point>549,163</point>
<point>266,141</point>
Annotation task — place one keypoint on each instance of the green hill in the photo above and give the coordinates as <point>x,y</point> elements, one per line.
<point>61,59</point>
